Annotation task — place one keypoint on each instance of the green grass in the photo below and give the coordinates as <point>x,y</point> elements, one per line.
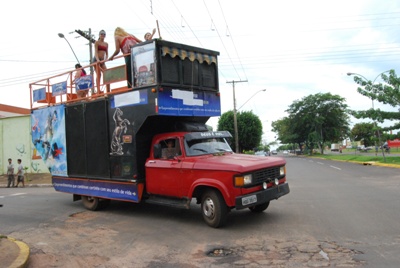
<point>394,160</point>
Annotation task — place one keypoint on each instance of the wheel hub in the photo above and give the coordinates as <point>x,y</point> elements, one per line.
<point>208,208</point>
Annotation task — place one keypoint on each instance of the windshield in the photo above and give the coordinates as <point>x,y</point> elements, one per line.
<point>206,146</point>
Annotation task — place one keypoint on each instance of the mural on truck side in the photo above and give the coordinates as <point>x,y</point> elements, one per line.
<point>121,126</point>
<point>48,137</point>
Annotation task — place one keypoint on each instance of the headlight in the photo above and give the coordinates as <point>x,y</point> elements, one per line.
<point>282,171</point>
<point>243,180</point>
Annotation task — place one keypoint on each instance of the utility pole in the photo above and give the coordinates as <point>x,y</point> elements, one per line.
<point>91,40</point>
<point>234,114</point>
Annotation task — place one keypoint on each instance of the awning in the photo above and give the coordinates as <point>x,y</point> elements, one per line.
<point>191,55</point>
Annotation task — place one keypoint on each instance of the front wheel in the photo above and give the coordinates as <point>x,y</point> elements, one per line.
<point>259,208</point>
<point>213,208</point>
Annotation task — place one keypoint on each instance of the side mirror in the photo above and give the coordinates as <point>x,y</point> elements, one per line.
<point>157,150</point>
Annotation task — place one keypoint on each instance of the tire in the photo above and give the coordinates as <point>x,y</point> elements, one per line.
<point>91,203</point>
<point>213,208</point>
<point>259,208</point>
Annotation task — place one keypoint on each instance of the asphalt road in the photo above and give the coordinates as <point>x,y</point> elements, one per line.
<point>349,203</point>
<point>337,214</point>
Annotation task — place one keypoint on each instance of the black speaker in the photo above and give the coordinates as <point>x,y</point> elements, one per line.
<point>75,137</point>
<point>97,138</point>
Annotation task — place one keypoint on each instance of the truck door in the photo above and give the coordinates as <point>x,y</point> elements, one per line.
<point>163,172</point>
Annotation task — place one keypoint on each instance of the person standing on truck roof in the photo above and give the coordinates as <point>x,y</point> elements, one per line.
<point>124,41</point>
<point>148,36</point>
<point>100,54</point>
<point>80,72</point>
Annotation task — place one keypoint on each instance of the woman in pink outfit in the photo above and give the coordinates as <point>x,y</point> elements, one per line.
<point>123,42</point>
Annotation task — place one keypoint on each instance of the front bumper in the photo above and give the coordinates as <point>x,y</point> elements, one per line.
<point>262,197</point>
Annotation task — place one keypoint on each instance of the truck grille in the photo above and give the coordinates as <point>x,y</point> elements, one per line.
<point>267,175</point>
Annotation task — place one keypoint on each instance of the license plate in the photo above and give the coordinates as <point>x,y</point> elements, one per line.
<point>249,200</point>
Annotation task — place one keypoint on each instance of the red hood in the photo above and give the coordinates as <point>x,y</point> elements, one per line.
<point>237,162</point>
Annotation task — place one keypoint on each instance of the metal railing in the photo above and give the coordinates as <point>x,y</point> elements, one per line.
<point>63,88</point>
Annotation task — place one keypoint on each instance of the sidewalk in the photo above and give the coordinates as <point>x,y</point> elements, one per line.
<point>31,180</point>
<point>14,253</point>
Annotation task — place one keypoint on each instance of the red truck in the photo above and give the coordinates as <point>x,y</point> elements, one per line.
<point>151,143</point>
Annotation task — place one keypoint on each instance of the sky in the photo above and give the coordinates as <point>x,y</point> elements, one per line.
<point>291,49</point>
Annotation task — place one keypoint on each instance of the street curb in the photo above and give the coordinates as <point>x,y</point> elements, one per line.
<point>23,256</point>
<point>369,163</point>
<point>40,185</point>
<point>381,164</point>
<point>29,185</point>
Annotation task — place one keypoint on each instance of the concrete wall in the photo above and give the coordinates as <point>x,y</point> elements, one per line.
<point>16,143</point>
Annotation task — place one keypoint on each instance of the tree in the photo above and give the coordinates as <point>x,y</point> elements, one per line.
<point>286,132</point>
<point>314,120</point>
<point>266,147</point>
<point>365,132</point>
<point>388,93</point>
<point>249,129</point>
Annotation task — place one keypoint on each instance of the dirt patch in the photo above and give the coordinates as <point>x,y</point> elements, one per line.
<point>78,241</point>
<point>11,248</point>
<point>73,244</point>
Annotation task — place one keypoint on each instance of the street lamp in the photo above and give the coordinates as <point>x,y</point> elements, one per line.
<point>250,98</point>
<point>62,36</point>
<point>355,74</point>
<point>373,82</point>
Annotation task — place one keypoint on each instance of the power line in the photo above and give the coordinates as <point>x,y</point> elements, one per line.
<point>28,78</point>
<point>231,37</point>
<point>222,42</point>
<point>187,24</point>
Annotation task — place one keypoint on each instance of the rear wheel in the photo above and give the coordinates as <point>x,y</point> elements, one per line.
<point>259,208</point>
<point>213,208</point>
<point>95,203</point>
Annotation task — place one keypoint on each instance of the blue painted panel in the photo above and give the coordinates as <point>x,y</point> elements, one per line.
<point>39,94</point>
<point>188,103</point>
<point>59,88</point>
<point>104,189</point>
<point>84,82</point>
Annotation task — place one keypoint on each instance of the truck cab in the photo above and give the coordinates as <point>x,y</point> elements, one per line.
<point>206,169</point>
